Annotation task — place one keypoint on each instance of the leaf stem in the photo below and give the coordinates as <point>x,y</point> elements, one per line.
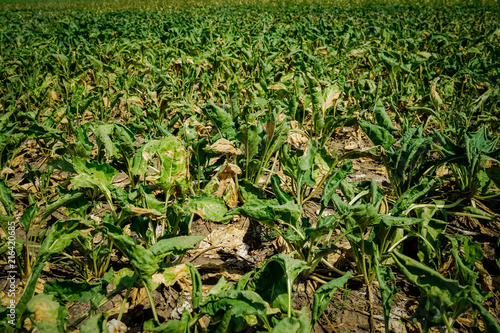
<point>124,302</point>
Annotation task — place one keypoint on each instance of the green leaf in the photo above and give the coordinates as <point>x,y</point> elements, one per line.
<point>225,322</point>
<point>268,211</point>
<point>124,139</point>
<point>63,200</point>
<point>378,134</point>
<point>323,227</point>
<point>249,135</point>
<point>472,250</point>
<point>93,175</point>
<point>323,295</point>
<point>197,295</point>
<point>28,217</point>
<point>306,166</point>
<point>117,139</point>
<point>103,133</point>
<point>142,260</point>
<point>281,195</point>
<point>365,216</point>
<point>274,278</point>
<point>280,135</point>
<point>220,286</point>
<point>40,131</point>
<point>333,183</point>
<point>123,278</point>
<point>96,324</point>
<point>174,161</point>
<point>383,120</point>
<point>494,174</point>
<point>387,291</point>
<point>208,207</point>
<point>294,325</point>
<point>171,326</point>
<point>242,303</point>
<point>489,321</point>
<point>8,207</point>
<point>412,195</point>
<point>6,199</point>
<point>28,292</point>
<point>69,291</point>
<point>61,235</point>
<point>222,120</point>
<point>176,246</point>
<point>441,295</point>
<point>249,191</point>
<point>82,146</point>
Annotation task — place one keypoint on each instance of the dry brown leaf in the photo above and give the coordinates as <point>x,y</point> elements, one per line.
<point>227,186</point>
<point>121,180</point>
<point>116,326</point>
<point>6,171</point>
<point>88,114</point>
<point>277,86</point>
<point>135,100</point>
<point>358,132</point>
<point>17,160</point>
<point>226,147</point>
<point>53,95</point>
<point>226,274</point>
<point>351,145</point>
<point>137,296</point>
<point>149,213</point>
<point>42,310</point>
<point>230,237</point>
<point>435,97</point>
<point>484,278</point>
<point>281,245</point>
<point>180,272</point>
<point>294,124</point>
<point>232,200</point>
<point>197,109</point>
<point>105,102</point>
<point>442,171</point>
<point>154,97</point>
<point>297,139</point>
<point>159,278</point>
<point>379,170</point>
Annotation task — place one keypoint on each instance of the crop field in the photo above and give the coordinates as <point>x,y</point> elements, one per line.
<point>249,166</point>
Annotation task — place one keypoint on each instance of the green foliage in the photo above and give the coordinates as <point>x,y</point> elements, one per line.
<point>116,114</point>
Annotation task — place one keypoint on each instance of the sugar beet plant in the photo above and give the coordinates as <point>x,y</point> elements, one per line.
<point>120,129</point>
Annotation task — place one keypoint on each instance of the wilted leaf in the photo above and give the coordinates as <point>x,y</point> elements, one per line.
<point>323,295</point>
<point>47,315</point>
